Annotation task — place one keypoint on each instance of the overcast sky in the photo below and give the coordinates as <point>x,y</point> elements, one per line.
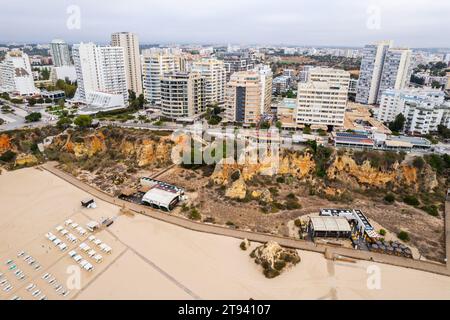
<point>412,23</point>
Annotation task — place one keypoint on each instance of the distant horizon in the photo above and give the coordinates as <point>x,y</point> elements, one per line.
<point>166,44</point>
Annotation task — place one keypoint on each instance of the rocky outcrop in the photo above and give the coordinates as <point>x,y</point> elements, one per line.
<point>147,151</point>
<point>263,195</point>
<point>345,169</point>
<point>26,160</point>
<point>238,189</point>
<point>274,259</point>
<point>90,146</point>
<point>297,165</point>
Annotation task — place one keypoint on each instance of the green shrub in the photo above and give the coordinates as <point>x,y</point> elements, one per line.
<point>411,200</point>
<point>243,246</point>
<point>382,232</point>
<point>431,210</point>
<point>33,117</point>
<point>194,214</point>
<point>389,198</point>
<point>403,235</point>
<point>8,156</point>
<point>298,223</point>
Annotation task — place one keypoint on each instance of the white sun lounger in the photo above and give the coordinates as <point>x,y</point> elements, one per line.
<point>91,238</point>
<point>74,225</point>
<point>57,241</point>
<point>98,258</point>
<point>98,242</point>
<point>68,222</point>
<point>62,246</point>
<point>91,253</point>
<point>59,228</point>
<point>72,253</point>
<point>64,232</point>
<point>77,258</point>
<point>83,263</point>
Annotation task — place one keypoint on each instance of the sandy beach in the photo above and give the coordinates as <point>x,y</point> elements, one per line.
<point>155,260</point>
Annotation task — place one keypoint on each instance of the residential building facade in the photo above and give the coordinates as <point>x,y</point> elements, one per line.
<point>59,51</point>
<point>182,95</point>
<point>101,75</point>
<point>214,73</point>
<point>423,110</point>
<point>371,69</point>
<point>243,97</point>
<point>155,65</point>
<point>396,70</point>
<point>130,43</point>
<point>16,75</point>
<point>334,76</point>
<point>321,103</point>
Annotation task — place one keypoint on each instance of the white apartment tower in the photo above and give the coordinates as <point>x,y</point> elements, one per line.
<point>59,50</point>
<point>371,70</point>
<point>382,68</point>
<point>101,75</point>
<point>321,103</point>
<point>396,70</point>
<point>130,43</point>
<point>266,78</point>
<point>16,75</point>
<point>215,75</point>
<point>155,65</point>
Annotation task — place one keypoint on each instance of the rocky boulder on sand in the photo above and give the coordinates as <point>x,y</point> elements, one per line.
<point>274,258</point>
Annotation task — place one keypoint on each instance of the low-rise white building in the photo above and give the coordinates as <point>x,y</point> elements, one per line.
<point>424,110</point>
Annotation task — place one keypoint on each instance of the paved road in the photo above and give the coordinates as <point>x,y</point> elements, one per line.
<point>258,237</point>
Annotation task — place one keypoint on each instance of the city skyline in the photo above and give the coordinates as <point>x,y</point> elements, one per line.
<point>348,23</point>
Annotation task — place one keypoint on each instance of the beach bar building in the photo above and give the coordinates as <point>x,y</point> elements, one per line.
<point>329,227</point>
<point>161,195</point>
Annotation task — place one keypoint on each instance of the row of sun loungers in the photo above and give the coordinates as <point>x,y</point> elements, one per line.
<point>74,226</point>
<point>91,253</point>
<point>56,241</point>
<point>67,234</point>
<point>79,259</point>
<point>59,288</point>
<point>103,246</point>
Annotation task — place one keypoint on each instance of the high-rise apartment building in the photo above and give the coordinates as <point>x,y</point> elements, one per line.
<point>321,103</point>
<point>214,73</point>
<point>182,94</point>
<point>266,78</point>
<point>16,75</point>
<point>243,97</point>
<point>396,70</point>
<point>371,69</point>
<point>155,65</point>
<point>130,43</point>
<point>101,75</point>
<point>59,50</point>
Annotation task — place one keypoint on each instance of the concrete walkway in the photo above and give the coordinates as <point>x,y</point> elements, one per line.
<point>260,237</point>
